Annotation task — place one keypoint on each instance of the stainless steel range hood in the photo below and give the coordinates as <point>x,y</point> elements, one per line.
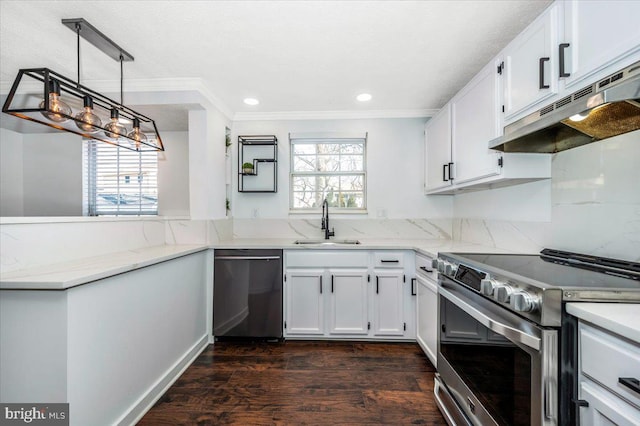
<point>607,108</point>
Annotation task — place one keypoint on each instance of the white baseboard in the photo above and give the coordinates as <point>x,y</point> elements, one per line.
<point>148,399</point>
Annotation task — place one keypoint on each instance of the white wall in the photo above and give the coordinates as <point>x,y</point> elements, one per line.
<point>395,151</point>
<point>173,175</point>
<point>207,164</point>
<point>11,182</point>
<point>52,174</point>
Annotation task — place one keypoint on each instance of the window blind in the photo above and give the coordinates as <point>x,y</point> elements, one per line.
<point>119,181</point>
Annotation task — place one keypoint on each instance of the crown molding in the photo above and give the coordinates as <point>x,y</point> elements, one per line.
<point>334,115</point>
<point>163,85</point>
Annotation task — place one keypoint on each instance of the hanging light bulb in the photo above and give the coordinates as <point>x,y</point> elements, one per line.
<point>56,107</point>
<point>136,134</point>
<point>114,129</point>
<point>86,120</point>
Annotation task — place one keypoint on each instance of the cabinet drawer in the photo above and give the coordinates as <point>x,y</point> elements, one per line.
<point>424,268</point>
<point>327,258</point>
<point>606,358</point>
<point>388,259</point>
<point>605,408</point>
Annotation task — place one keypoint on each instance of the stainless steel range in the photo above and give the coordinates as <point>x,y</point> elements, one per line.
<point>507,349</point>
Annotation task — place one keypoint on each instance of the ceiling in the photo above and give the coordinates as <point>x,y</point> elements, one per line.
<point>294,56</point>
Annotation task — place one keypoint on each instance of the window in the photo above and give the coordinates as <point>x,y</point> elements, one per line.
<point>118,181</point>
<point>331,168</point>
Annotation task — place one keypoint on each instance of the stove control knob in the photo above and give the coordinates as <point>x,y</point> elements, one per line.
<point>450,269</point>
<point>441,265</point>
<point>503,293</point>
<point>487,286</point>
<point>523,302</point>
<point>434,263</point>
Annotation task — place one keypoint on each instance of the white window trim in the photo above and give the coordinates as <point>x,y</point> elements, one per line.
<point>327,138</point>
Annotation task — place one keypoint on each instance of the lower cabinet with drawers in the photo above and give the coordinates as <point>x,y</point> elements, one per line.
<point>609,387</point>
<point>349,294</point>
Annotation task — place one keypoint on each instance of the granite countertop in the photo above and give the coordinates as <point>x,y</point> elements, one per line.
<point>65,275</point>
<point>619,318</point>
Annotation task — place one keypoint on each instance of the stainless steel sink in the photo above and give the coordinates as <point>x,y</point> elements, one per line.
<point>327,242</point>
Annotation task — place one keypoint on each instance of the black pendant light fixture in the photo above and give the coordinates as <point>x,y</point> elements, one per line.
<point>46,97</point>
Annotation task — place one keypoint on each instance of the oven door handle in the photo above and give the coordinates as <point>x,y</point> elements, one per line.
<point>512,333</point>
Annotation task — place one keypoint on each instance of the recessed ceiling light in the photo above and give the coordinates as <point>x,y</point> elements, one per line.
<point>363,97</point>
<point>251,101</point>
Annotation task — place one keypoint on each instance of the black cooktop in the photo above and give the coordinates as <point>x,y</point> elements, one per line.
<point>563,270</point>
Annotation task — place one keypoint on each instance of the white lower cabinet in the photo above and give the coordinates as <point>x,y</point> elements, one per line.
<point>388,304</point>
<point>349,294</point>
<point>427,312</point>
<point>605,408</point>
<point>609,369</point>
<point>304,304</point>
<point>348,302</point>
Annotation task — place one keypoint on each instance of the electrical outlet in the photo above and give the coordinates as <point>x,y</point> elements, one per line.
<point>255,213</point>
<point>382,213</point>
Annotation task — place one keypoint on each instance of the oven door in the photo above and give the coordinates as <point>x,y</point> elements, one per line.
<point>499,368</point>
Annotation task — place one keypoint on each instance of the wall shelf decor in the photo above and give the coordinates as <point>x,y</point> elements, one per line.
<point>261,152</point>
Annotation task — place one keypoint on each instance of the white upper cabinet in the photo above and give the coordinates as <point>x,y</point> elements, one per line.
<point>530,64</point>
<point>457,151</point>
<point>599,36</point>
<point>475,120</point>
<point>437,135</point>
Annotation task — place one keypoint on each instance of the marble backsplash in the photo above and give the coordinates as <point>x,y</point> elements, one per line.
<point>595,198</point>
<point>344,228</point>
<point>519,237</point>
<point>26,245</point>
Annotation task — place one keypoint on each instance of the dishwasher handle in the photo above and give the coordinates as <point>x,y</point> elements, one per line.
<point>247,258</point>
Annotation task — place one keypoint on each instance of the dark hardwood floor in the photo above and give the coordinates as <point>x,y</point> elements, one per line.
<point>302,383</point>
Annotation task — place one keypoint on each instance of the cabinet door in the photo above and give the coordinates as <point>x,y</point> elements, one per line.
<point>437,135</point>
<point>598,33</point>
<point>605,409</point>
<point>530,65</point>
<point>475,120</point>
<point>427,306</point>
<point>305,290</point>
<point>348,307</point>
<point>388,313</point>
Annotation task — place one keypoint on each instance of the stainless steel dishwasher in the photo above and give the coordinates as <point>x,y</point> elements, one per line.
<point>247,294</point>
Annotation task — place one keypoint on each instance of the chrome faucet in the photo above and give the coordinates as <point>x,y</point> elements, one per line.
<point>325,220</point>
